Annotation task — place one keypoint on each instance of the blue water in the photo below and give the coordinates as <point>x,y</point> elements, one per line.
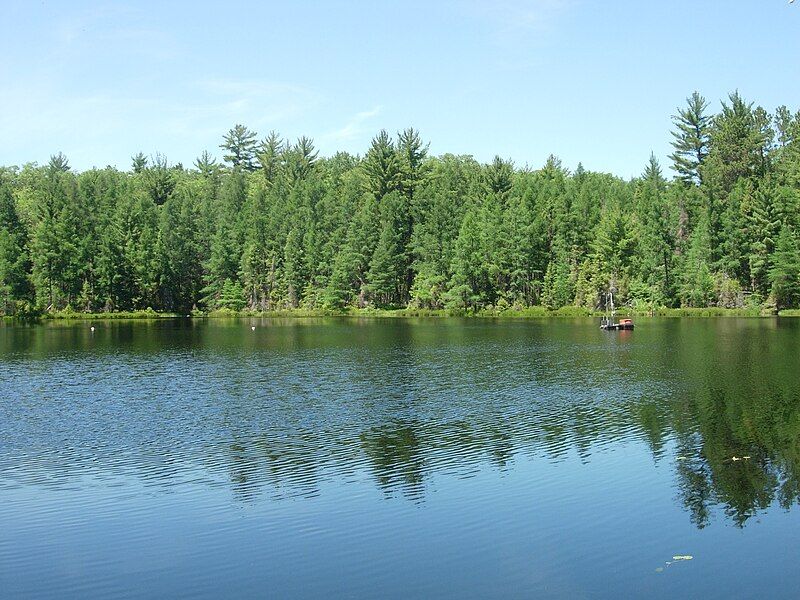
<point>392,458</point>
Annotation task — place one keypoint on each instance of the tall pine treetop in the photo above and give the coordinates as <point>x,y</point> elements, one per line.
<point>691,139</point>
<point>240,144</point>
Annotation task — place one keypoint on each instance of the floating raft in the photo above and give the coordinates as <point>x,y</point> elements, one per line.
<point>623,324</point>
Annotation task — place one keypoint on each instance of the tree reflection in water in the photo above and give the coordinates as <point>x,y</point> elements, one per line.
<point>398,403</point>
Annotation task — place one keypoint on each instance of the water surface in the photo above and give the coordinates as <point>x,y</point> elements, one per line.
<point>399,458</point>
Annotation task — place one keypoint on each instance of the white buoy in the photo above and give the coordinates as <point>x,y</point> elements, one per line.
<point>253,328</point>
<point>91,328</point>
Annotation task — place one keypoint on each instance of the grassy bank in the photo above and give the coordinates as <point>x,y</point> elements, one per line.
<point>508,313</point>
<point>66,315</point>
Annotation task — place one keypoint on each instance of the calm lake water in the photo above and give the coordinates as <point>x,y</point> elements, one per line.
<point>390,458</point>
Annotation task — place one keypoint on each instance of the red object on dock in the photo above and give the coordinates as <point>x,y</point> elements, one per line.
<point>623,324</point>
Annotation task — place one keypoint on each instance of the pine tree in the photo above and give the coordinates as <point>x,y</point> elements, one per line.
<point>14,260</point>
<point>499,177</point>
<point>296,268</point>
<point>58,238</point>
<point>226,245</point>
<point>382,166</point>
<point>412,154</point>
<point>142,249</point>
<point>656,250</point>
<point>737,144</point>
<point>697,283</point>
<point>691,139</point>
<point>348,280</point>
<point>439,209</point>
<point>138,163</point>
<point>518,262</point>
<point>400,228</point>
<point>231,296</point>
<point>240,146</point>
<point>58,162</point>
<point>299,160</point>
<point>259,250</point>
<point>762,226</point>
<point>159,179</point>
<point>207,165</point>
<point>180,253</point>
<point>558,287</point>
<point>468,281</point>
<point>784,274</point>
<point>333,213</point>
<point>386,276</point>
<point>614,244</point>
<point>269,155</point>
<point>413,173</point>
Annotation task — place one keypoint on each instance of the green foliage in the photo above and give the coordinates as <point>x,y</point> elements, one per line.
<point>468,267</point>
<point>691,139</point>
<point>387,265</point>
<point>240,148</point>
<point>231,296</point>
<point>280,228</point>
<point>159,179</point>
<point>14,259</point>
<point>784,274</point>
<point>697,282</point>
<point>382,166</point>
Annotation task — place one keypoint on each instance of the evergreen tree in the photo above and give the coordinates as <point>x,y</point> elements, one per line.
<point>231,296</point>
<point>691,139</point>
<point>138,163</point>
<point>180,251</point>
<point>784,274</point>
<point>240,148</point>
<point>207,165</point>
<point>469,276</point>
<point>737,144</point>
<point>785,126</point>
<point>259,251</point>
<point>299,160</point>
<point>348,281</point>
<point>58,162</point>
<point>499,176</point>
<point>614,245</point>
<point>518,260</point>
<point>57,238</point>
<point>439,209</point>
<point>697,283</point>
<point>159,179</point>
<point>654,270</point>
<point>226,245</point>
<point>382,166</point>
<point>14,260</point>
<point>269,155</point>
<point>412,153</point>
<point>386,275</point>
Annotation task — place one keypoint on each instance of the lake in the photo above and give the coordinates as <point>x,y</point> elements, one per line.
<point>400,458</point>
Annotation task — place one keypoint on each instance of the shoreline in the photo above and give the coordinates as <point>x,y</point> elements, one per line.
<point>405,313</point>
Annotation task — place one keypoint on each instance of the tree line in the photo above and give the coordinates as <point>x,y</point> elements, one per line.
<point>276,226</point>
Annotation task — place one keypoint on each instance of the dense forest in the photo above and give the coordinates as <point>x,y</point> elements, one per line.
<point>276,226</point>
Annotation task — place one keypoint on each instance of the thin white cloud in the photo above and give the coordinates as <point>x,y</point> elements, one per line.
<point>122,31</point>
<point>354,127</point>
<point>520,29</point>
<point>522,16</point>
<point>85,126</point>
<point>255,103</point>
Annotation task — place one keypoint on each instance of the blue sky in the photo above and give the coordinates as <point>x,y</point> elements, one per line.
<point>591,81</point>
